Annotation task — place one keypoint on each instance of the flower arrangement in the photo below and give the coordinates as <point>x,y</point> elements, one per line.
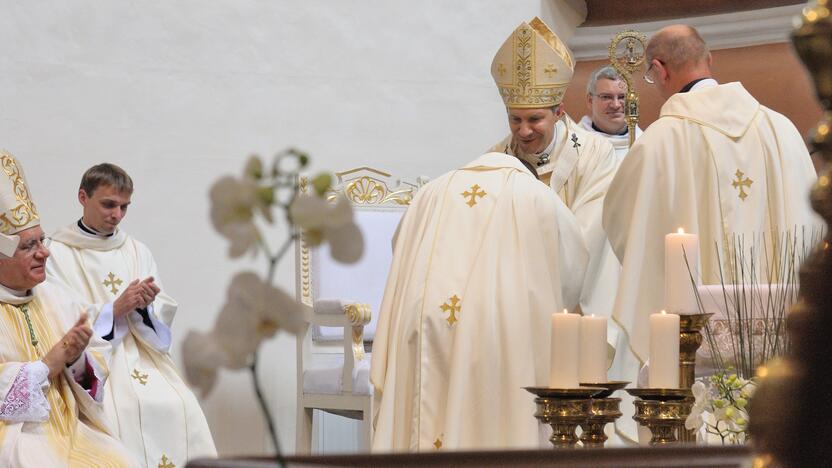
<point>722,407</point>
<point>255,309</point>
<point>758,284</point>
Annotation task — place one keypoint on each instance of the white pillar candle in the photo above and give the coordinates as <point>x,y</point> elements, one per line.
<point>593,360</point>
<point>664,350</point>
<point>679,293</point>
<point>563,366</point>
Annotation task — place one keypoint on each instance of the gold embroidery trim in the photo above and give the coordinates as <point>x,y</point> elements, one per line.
<point>25,212</point>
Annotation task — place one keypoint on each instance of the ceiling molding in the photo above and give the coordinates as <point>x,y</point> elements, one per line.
<point>725,31</point>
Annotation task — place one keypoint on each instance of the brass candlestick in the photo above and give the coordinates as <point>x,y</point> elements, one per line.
<point>602,411</point>
<point>563,409</point>
<point>663,411</point>
<point>690,339</point>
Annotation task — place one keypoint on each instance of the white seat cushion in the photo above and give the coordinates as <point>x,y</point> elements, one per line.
<point>326,379</point>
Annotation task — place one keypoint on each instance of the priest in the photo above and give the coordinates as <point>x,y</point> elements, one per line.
<point>532,70</point>
<point>716,163</point>
<point>154,412</point>
<point>606,92</point>
<point>52,367</point>
<point>484,255</point>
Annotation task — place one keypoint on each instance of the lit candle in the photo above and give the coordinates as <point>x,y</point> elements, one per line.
<point>664,350</point>
<point>679,293</point>
<point>593,367</point>
<point>563,366</point>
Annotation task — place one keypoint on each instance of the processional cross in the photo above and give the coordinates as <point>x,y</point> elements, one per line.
<point>627,62</point>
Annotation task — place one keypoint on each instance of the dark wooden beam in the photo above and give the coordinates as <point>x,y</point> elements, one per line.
<point>609,12</point>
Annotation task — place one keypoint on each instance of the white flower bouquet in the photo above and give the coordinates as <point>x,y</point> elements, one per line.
<point>720,411</point>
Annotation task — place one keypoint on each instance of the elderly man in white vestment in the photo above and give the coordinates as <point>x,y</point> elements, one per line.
<point>483,256</point>
<point>155,414</point>
<point>52,367</point>
<point>605,94</point>
<point>716,163</point>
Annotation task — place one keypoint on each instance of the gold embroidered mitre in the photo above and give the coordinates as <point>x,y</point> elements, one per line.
<point>17,210</point>
<point>533,67</point>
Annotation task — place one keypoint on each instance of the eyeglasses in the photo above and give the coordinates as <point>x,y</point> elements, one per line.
<point>34,245</point>
<point>647,73</point>
<point>610,98</point>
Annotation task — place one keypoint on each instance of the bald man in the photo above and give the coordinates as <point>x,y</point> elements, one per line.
<point>716,163</point>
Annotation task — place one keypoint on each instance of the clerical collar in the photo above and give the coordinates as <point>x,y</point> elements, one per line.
<point>91,231</point>
<point>692,83</point>
<point>623,132</point>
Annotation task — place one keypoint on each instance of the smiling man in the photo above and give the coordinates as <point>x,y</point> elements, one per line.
<point>532,70</point>
<point>154,412</point>
<point>52,367</point>
<point>605,93</point>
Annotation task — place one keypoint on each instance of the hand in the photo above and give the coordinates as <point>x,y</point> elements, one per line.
<point>69,348</point>
<point>137,295</point>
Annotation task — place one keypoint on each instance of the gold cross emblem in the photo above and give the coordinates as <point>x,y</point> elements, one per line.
<point>112,282</point>
<point>437,443</point>
<point>741,184</point>
<point>473,194</point>
<point>142,378</point>
<point>550,69</point>
<point>453,308</point>
<point>165,463</point>
<point>501,69</point>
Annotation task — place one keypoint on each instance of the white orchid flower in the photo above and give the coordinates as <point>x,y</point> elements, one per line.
<point>201,357</point>
<point>232,213</point>
<point>331,222</point>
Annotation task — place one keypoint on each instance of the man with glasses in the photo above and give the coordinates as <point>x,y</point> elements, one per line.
<point>154,413</point>
<point>716,163</point>
<point>605,93</point>
<point>52,367</point>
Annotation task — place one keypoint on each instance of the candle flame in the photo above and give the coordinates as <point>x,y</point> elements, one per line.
<point>680,231</point>
<point>565,311</point>
<point>664,313</point>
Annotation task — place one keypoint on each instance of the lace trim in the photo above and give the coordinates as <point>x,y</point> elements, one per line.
<point>25,401</point>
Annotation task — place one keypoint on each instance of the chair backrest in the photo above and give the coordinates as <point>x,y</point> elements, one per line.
<point>379,201</point>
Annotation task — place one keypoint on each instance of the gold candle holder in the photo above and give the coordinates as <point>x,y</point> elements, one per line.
<point>663,411</point>
<point>690,339</point>
<point>563,409</point>
<point>602,411</point>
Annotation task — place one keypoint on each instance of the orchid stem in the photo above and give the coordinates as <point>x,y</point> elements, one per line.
<point>265,408</point>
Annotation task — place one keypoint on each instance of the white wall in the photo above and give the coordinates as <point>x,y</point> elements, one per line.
<point>180,92</point>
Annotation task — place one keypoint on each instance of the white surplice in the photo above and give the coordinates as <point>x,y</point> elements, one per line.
<point>716,163</point>
<point>621,142</point>
<point>484,255</point>
<point>58,421</point>
<point>155,414</point>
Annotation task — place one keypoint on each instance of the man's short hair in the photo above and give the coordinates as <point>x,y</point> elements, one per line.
<point>677,51</point>
<point>106,174</point>
<point>606,72</point>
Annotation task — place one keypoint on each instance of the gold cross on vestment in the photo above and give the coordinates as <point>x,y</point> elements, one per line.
<point>741,184</point>
<point>501,69</point>
<point>142,378</point>
<point>549,70</point>
<point>473,194</point>
<point>165,463</point>
<point>437,443</point>
<point>112,282</point>
<point>453,308</point>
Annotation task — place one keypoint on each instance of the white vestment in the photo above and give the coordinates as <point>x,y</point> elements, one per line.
<point>485,254</point>
<point>716,163</point>
<point>155,414</point>
<point>621,143</point>
<point>51,422</point>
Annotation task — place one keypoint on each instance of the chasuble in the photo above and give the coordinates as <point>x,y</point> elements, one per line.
<point>483,257</point>
<point>51,422</point>
<point>153,411</point>
<point>718,164</point>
